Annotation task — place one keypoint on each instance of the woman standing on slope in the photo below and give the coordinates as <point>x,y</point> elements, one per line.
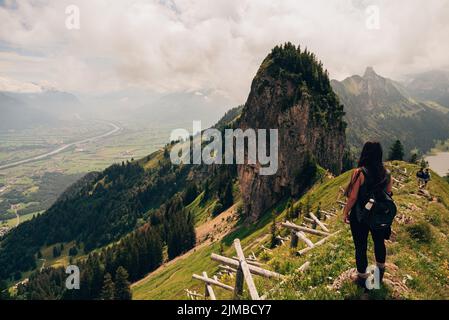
<point>370,176</point>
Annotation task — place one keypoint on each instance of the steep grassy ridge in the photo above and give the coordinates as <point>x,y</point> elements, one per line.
<point>418,253</point>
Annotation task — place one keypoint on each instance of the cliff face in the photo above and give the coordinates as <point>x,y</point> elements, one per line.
<point>291,93</point>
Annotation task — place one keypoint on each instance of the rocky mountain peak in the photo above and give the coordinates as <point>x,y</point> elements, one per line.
<point>292,93</point>
<point>370,73</point>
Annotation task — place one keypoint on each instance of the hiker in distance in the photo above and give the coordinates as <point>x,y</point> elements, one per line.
<point>420,177</point>
<point>370,209</point>
<point>426,177</point>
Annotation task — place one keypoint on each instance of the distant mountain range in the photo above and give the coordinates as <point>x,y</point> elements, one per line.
<point>184,107</point>
<point>415,111</point>
<point>31,105</point>
<point>16,114</point>
<point>430,86</point>
<point>378,108</point>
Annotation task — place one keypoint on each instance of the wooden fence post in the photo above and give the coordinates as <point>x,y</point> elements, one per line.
<point>294,242</point>
<point>238,288</point>
<point>244,274</point>
<point>209,292</point>
<point>245,271</point>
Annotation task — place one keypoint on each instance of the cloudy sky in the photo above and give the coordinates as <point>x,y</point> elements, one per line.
<point>192,45</point>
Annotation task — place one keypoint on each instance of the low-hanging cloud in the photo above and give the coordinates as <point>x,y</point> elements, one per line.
<point>190,45</point>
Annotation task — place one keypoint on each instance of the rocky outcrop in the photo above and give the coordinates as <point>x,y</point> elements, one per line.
<point>308,117</point>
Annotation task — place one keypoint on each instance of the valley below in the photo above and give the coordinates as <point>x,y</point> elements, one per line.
<point>38,164</point>
<point>439,163</point>
<point>115,129</point>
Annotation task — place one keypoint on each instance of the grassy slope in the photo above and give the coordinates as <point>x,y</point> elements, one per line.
<point>423,267</point>
<point>13,222</point>
<point>200,210</point>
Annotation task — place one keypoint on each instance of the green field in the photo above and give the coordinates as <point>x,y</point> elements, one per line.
<point>35,186</point>
<point>13,221</point>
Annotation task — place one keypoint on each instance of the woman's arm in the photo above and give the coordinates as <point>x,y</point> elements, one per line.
<point>352,198</point>
<point>390,187</point>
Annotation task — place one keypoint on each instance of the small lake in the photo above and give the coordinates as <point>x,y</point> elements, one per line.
<point>439,163</point>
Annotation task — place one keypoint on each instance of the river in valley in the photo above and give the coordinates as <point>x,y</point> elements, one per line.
<point>439,162</point>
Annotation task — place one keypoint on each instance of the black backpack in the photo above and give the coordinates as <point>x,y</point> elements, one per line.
<point>383,211</point>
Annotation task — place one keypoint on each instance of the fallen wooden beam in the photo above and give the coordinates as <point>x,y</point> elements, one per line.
<point>188,294</point>
<point>318,222</point>
<point>319,243</point>
<point>209,290</point>
<point>227,268</point>
<point>266,249</point>
<point>306,240</point>
<point>193,294</point>
<point>251,262</point>
<point>425,193</point>
<point>328,213</point>
<point>309,220</point>
<point>304,229</point>
<point>246,273</point>
<point>252,256</point>
<point>213,282</point>
<point>304,267</point>
<point>403,174</point>
<point>254,270</point>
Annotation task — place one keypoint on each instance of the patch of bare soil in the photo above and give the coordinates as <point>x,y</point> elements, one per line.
<point>218,227</point>
<point>211,231</point>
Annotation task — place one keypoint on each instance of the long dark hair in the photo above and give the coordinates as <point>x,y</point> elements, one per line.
<point>371,159</point>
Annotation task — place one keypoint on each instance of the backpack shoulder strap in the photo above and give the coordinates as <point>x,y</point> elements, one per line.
<point>388,175</point>
<point>364,171</point>
<point>366,175</point>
